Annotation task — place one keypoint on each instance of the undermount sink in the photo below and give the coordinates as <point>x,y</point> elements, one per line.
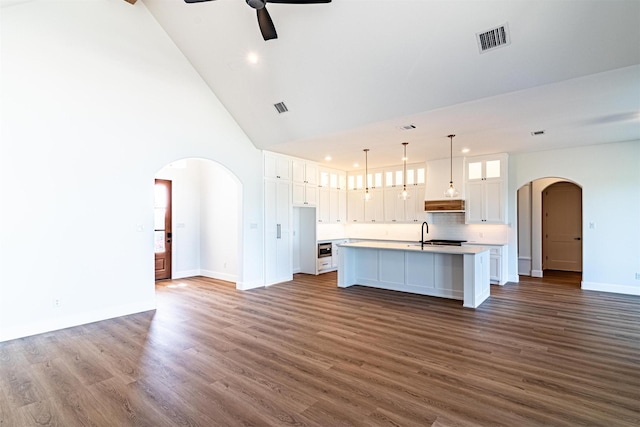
<point>443,242</point>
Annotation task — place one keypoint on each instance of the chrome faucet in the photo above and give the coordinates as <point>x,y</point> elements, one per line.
<point>422,232</point>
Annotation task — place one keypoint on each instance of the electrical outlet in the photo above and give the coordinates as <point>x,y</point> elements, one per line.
<point>56,303</point>
<point>225,264</point>
<point>637,276</point>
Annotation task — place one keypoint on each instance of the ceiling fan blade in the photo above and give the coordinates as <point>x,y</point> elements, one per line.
<point>267,28</point>
<point>298,1</point>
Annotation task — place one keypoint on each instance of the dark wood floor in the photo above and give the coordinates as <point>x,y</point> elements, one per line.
<point>541,352</point>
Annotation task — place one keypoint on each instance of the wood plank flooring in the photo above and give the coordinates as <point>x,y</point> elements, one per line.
<point>538,353</point>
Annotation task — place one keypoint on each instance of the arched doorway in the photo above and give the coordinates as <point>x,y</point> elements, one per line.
<point>562,227</point>
<point>530,225</point>
<point>206,219</point>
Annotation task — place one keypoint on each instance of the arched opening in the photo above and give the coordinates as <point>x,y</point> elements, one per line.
<point>205,237</point>
<point>549,226</point>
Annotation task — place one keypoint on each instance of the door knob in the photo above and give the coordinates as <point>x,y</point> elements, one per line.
<point>577,238</point>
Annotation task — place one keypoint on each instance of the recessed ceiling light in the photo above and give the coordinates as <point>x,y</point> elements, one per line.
<point>328,158</point>
<point>407,127</point>
<point>356,165</point>
<point>252,58</point>
<point>465,150</point>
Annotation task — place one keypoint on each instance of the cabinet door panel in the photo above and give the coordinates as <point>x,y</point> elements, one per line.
<point>311,195</point>
<point>355,206</point>
<point>494,268</point>
<point>298,193</point>
<point>342,207</point>
<point>474,202</point>
<point>324,205</point>
<point>494,204</point>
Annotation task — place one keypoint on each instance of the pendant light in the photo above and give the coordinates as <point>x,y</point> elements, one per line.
<point>451,192</point>
<point>367,195</point>
<point>404,195</point>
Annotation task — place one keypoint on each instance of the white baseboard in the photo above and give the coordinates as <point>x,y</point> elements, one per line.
<point>536,273</point>
<point>77,319</point>
<point>610,287</point>
<point>514,278</point>
<point>185,273</point>
<point>218,275</point>
<point>245,286</point>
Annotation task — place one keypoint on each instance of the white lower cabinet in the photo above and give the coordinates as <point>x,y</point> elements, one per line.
<point>335,252</point>
<point>325,263</point>
<point>497,262</point>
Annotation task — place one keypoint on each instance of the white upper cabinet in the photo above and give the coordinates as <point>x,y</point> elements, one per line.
<point>304,172</point>
<point>486,167</point>
<point>332,196</point>
<point>355,206</point>
<point>486,189</point>
<point>304,194</point>
<point>305,182</point>
<point>277,166</point>
<point>439,173</point>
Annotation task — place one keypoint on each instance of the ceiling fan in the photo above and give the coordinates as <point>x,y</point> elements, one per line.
<point>267,28</point>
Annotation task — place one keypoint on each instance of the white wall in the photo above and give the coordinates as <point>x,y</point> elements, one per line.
<point>610,179</point>
<point>219,225</point>
<point>96,99</point>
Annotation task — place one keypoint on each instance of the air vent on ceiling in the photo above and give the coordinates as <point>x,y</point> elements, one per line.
<point>407,127</point>
<point>537,132</point>
<point>281,107</point>
<point>494,38</point>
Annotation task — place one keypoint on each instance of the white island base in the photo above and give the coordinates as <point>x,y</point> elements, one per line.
<point>456,272</point>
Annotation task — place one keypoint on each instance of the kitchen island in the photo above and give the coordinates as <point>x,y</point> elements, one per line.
<point>456,272</point>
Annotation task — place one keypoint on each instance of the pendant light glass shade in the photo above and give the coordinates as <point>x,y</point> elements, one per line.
<point>404,194</point>
<point>451,192</point>
<point>367,195</point>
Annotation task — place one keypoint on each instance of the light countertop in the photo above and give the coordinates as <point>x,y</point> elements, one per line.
<point>459,250</point>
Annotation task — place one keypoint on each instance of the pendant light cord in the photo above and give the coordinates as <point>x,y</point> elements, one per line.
<point>451,159</point>
<point>404,168</point>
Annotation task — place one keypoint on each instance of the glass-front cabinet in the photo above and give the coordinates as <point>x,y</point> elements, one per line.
<point>486,189</point>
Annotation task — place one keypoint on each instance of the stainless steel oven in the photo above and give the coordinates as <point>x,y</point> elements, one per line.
<point>324,250</point>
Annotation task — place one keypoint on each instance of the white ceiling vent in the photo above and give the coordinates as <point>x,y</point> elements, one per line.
<point>494,38</point>
<point>407,127</point>
<point>281,107</point>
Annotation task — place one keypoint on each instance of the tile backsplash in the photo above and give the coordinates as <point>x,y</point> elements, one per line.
<point>442,225</point>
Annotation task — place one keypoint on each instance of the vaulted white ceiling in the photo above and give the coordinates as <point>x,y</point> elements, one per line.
<point>352,72</point>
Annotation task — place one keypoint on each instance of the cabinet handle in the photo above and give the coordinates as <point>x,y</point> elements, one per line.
<point>278,231</point>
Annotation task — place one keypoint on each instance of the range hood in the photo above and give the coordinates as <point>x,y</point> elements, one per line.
<point>447,205</point>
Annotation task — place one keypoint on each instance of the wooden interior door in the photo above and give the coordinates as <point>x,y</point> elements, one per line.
<point>562,227</point>
<point>162,228</point>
